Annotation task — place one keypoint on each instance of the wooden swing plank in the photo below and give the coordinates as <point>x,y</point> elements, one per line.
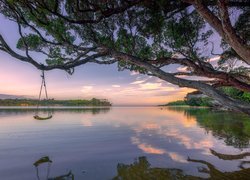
<point>42,118</point>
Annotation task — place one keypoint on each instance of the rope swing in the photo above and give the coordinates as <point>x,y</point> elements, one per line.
<point>49,116</point>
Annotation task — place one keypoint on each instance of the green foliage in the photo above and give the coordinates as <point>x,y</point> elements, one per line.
<point>192,102</point>
<point>142,31</point>
<point>147,30</point>
<point>183,33</point>
<point>232,92</point>
<point>33,41</point>
<point>204,101</point>
<point>236,93</point>
<point>245,96</point>
<point>55,57</point>
<point>177,103</point>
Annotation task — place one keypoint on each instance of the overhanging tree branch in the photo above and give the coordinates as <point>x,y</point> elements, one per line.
<point>207,89</point>
<point>223,27</point>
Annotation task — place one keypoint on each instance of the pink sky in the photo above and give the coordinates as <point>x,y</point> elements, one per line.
<point>124,88</point>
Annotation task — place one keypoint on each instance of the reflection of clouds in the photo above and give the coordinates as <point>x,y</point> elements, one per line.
<point>162,132</point>
<point>150,125</point>
<point>190,141</point>
<point>146,147</point>
<point>87,123</point>
<point>146,126</point>
<point>169,125</point>
<point>149,149</point>
<point>172,126</point>
<point>189,122</point>
<point>177,157</point>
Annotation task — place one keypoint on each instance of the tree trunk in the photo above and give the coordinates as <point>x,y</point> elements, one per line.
<point>206,89</point>
<point>224,28</point>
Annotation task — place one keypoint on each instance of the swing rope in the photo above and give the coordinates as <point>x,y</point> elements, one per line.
<point>43,84</point>
<point>40,93</point>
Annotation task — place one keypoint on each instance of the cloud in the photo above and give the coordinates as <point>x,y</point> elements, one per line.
<point>9,96</point>
<point>182,69</point>
<point>138,82</point>
<point>150,86</point>
<point>86,88</point>
<point>216,58</point>
<point>160,80</point>
<point>116,86</point>
<point>133,73</point>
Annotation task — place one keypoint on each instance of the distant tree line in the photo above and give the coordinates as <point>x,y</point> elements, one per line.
<point>52,102</point>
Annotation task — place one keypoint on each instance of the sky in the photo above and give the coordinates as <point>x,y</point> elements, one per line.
<point>90,80</point>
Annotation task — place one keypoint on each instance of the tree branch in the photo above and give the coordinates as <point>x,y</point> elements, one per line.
<point>223,27</point>
<point>206,89</point>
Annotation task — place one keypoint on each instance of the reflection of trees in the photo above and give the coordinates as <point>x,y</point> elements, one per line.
<point>232,157</point>
<point>215,173</point>
<point>141,170</point>
<point>17,111</point>
<point>229,156</point>
<point>46,159</point>
<point>233,128</point>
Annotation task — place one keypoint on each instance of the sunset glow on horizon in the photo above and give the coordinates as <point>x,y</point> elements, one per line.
<point>124,88</point>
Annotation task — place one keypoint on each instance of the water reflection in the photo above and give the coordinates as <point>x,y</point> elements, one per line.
<point>46,160</point>
<point>215,173</point>
<point>141,169</point>
<point>82,140</point>
<point>228,156</point>
<point>41,161</point>
<point>233,128</point>
<point>8,111</point>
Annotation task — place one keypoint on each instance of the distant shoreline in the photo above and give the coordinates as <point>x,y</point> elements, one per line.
<point>184,106</point>
<point>54,103</point>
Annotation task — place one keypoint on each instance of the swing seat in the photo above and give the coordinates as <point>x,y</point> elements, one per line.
<point>42,118</point>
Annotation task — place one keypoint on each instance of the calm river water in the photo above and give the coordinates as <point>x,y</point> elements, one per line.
<point>124,143</point>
